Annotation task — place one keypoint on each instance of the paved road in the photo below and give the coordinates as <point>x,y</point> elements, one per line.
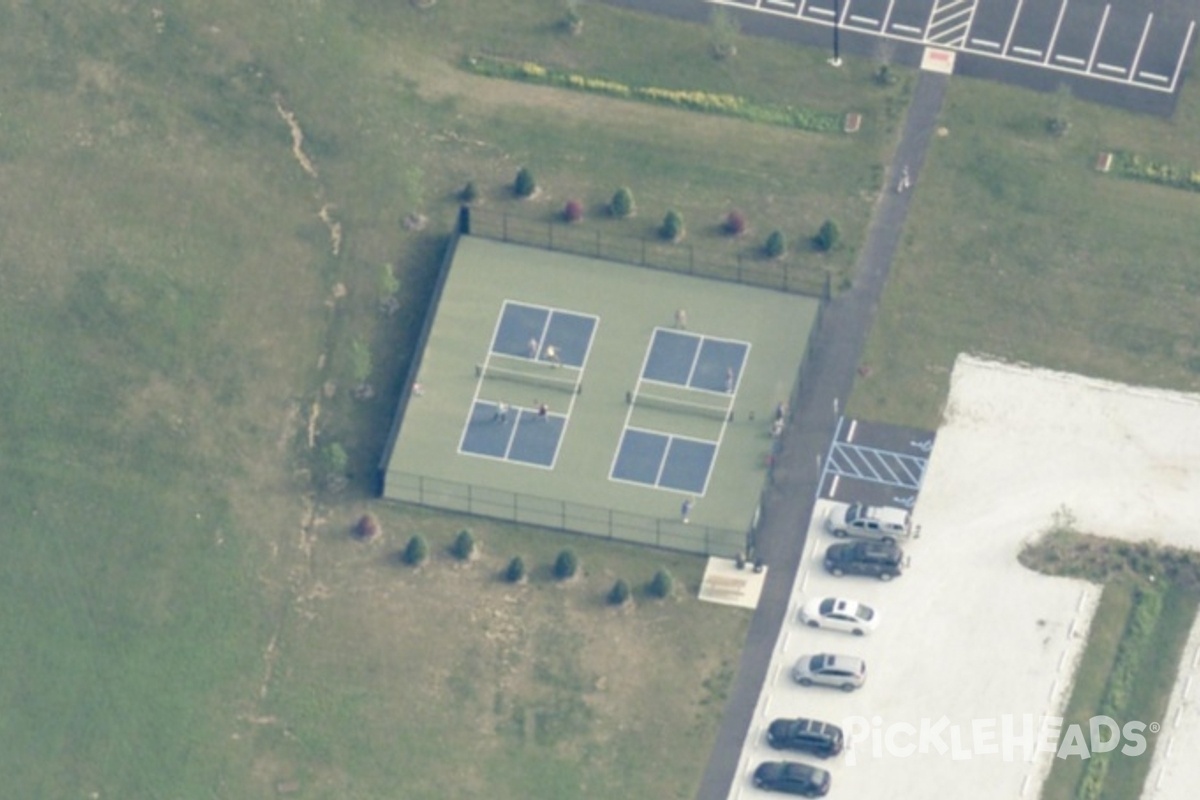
<point>838,350</point>
<point>1131,54</point>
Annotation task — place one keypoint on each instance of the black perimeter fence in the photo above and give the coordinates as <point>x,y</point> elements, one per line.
<point>648,251</point>
<point>605,523</point>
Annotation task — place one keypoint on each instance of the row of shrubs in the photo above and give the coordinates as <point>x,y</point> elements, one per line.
<point>672,228</point>
<point>1143,618</point>
<point>1131,165</point>
<point>566,566</point>
<point>708,102</point>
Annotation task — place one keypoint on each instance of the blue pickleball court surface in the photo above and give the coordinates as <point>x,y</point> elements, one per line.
<point>664,461</point>
<point>528,331</point>
<point>695,361</point>
<point>520,435</point>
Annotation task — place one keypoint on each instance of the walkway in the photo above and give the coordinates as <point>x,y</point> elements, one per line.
<point>839,346</point>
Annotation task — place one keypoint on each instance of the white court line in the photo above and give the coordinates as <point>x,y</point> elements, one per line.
<point>1079,62</point>
<point>1111,68</point>
<point>1057,24</point>
<point>1187,40</point>
<point>1012,27</point>
<point>1154,76</point>
<point>861,18</point>
<point>985,43</point>
<point>1099,36</point>
<point>1137,57</point>
<point>1027,51</point>
<point>906,28</point>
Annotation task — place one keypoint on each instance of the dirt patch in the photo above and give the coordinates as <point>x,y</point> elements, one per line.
<point>298,153</point>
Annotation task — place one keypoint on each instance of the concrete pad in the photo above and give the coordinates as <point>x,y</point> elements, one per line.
<point>727,585</point>
<point>936,60</point>
<point>970,644</point>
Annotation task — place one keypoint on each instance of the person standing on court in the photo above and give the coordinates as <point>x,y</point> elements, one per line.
<point>729,380</point>
<point>533,347</point>
<point>501,414</point>
<point>543,411</point>
<point>681,319</point>
<point>685,511</point>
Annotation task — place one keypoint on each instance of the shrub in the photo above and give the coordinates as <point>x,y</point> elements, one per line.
<point>367,528</point>
<point>464,545</point>
<point>618,595</point>
<point>416,551</point>
<point>566,565</point>
<point>469,193</point>
<point>776,245</point>
<point>515,571</point>
<point>622,203</point>
<point>662,584</point>
<point>524,185</point>
<point>672,226</point>
<point>735,223</point>
<point>573,211</point>
<point>828,237</point>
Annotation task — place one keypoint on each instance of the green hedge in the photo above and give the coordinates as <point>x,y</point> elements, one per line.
<point>708,102</point>
<point>1131,165</point>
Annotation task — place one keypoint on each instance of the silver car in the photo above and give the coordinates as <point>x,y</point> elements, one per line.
<point>826,669</point>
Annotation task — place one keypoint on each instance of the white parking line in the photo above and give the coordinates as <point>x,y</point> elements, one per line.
<point>860,18</point>
<point>1012,27</point>
<point>1113,68</point>
<point>1187,40</point>
<point>833,486</point>
<point>1137,57</point>
<point>1027,51</point>
<point>1057,24</point>
<point>783,4</point>
<point>888,16</point>
<point>1154,76</point>
<point>824,12</point>
<point>906,28</point>
<point>850,431</point>
<point>1079,62</point>
<point>986,43</point>
<point>1099,34</point>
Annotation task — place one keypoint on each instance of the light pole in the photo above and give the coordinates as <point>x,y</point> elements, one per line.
<point>837,22</point>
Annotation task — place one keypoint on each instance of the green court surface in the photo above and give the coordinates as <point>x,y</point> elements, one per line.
<point>601,316</point>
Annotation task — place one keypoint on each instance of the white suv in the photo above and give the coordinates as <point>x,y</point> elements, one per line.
<point>870,522</point>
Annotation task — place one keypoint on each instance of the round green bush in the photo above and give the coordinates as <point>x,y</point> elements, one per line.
<point>662,584</point>
<point>672,226</point>
<point>515,571</point>
<point>566,565</point>
<point>464,545</point>
<point>416,551</point>
<point>619,593</point>
<point>829,236</point>
<point>524,185</point>
<point>622,203</point>
<point>776,245</point>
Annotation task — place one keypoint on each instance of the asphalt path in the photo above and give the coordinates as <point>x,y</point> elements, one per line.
<point>798,470</point>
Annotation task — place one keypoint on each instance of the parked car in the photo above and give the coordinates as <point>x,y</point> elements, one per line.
<point>792,778</point>
<point>839,614</point>
<point>869,522</point>
<point>883,560</point>
<point>821,739</point>
<point>827,669</point>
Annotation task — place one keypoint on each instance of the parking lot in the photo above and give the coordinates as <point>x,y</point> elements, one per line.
<point>1143,45</point>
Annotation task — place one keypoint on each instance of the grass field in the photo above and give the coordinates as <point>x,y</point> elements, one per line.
<point>198,200</point>
<point>1018,249</point>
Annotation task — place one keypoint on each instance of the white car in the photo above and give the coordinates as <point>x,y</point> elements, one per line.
<point>839,614</point>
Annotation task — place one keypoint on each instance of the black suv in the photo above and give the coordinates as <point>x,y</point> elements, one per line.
<point>884,560</point>
<point>792,778</point>
<point>807,736</point>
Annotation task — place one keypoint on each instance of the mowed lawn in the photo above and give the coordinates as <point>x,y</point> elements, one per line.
<point>198,200</point>
<point>1017,248</point>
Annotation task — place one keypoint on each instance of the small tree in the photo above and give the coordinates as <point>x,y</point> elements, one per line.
<point>735,223</point>
<point>828,236</point>
<point>573,211</point>
<point>572,19</point>
<point>725,30</point>
<point>618,595</point>
<point>566,565</point>
<point>662,584</point>
<point>469,193</point>
<point>416,551</point>
<point>367,528</point>
<point>622,203</point>
<point>672,226</point>
<point>525,184</point>
<point>464,546</point>
<point>515,571</point>
<point>776,245</point>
